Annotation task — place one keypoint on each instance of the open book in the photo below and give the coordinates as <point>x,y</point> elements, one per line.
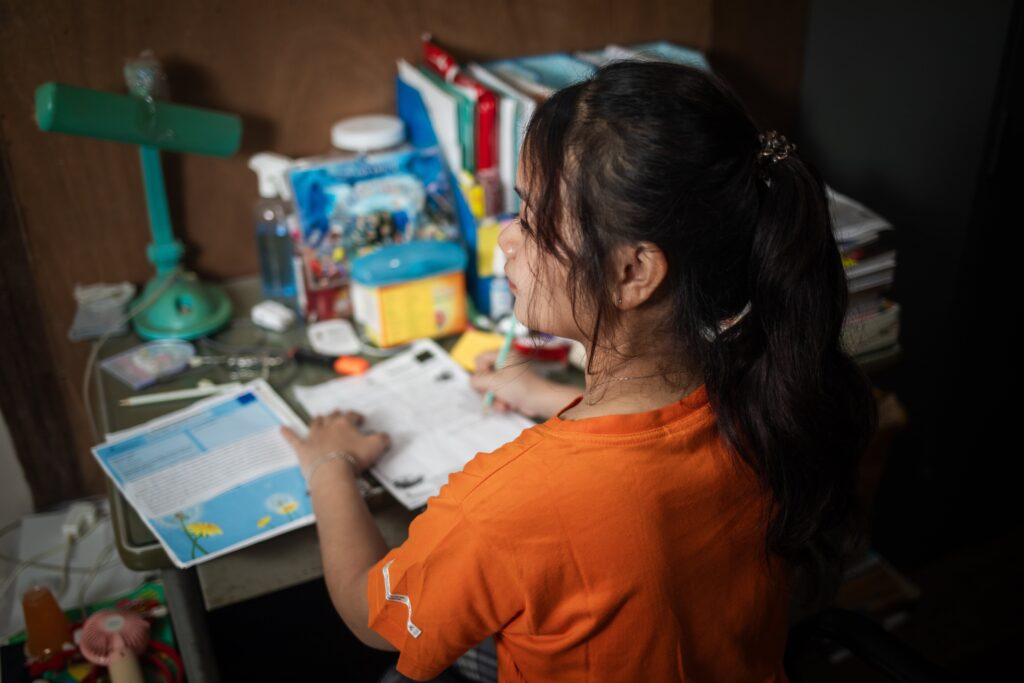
<point>422,398</point>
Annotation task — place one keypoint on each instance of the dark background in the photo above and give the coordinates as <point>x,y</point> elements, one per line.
<point>916,112</point>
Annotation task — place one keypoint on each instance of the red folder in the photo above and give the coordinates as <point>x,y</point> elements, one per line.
<point>441,61</point>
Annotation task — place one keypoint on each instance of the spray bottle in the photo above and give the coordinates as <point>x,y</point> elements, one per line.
<point>276,230</point>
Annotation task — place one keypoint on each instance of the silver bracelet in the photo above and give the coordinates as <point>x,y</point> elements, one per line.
<point>335,455</point>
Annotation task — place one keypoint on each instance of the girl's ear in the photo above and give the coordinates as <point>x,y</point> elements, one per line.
<point>639,269</point>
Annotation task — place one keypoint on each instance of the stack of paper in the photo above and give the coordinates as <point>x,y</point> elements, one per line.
<point>867,244</point>
<point>423,400</point>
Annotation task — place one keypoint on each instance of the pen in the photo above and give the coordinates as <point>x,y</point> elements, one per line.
<point>506,346</point>
<point>178,395</point>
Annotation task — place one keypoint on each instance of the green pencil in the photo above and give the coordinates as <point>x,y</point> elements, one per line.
<point>506,346</point>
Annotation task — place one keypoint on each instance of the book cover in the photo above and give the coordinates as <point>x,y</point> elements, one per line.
<point>214,477</point>
<point>542,75</point>
<point>442,110</point>
<point>444,65</point>
<point>516,110</point>
<point>465,100</point>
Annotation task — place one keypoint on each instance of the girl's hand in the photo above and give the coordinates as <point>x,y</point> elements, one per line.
<point>514,386</point>
<point>338,431</point>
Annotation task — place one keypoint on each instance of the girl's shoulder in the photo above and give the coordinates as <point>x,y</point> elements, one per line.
<point>488,473</point>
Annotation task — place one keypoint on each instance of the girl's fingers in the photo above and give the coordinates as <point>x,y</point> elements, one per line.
<point>371,447</point>
<point>381,441</point>
<point>481,383</point>
<point>355,417</point>
<point>485,361</point>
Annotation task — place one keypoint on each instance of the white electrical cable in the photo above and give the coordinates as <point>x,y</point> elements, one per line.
<point>171,278</point>
<point>99,566</point>
<point>22,566</point>
<point>33,562</point>
<point>63,586</point>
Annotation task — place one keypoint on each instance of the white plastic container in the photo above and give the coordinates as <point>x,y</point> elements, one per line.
<point>365,134</point>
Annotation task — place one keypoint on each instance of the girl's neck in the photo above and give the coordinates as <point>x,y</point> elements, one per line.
<point>631,386</point>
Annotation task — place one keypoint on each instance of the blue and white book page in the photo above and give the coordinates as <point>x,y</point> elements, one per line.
<point>423,399</point>
<point>214,477</point>
<point>441,109</point>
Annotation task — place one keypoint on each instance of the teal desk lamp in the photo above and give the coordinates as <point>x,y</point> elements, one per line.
<point>181,306</point>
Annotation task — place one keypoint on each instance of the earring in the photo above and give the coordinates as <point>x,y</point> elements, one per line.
<point>618,301</point>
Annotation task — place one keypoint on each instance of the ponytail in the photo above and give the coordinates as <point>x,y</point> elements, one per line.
<point>792,404</point>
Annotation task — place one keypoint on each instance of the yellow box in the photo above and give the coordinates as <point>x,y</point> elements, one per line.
<point>410,291</point>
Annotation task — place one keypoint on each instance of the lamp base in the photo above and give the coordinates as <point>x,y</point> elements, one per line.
<point>185,309</point>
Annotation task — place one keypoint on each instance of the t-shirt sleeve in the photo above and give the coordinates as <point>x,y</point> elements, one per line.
<point>442,591</point>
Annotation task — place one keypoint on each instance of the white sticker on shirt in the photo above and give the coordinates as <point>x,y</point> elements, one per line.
<point>404,599</point>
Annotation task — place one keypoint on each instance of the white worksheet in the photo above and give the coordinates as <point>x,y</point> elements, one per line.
<point>423,400</point>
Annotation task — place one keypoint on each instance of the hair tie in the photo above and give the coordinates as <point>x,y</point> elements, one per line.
<point>723,325</point>
<point>774,148</point>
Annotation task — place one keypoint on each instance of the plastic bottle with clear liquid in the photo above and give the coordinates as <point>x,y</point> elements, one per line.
<point>275,229</point>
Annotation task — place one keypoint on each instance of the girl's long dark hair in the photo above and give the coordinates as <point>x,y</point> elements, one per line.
<point>663,153</point>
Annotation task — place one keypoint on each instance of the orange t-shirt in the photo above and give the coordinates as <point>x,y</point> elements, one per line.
<point>615,548</point>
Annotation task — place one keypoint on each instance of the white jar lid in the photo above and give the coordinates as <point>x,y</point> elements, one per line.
<point>368,133</point>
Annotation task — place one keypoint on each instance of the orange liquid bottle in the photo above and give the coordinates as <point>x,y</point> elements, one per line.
<point>46,627</point>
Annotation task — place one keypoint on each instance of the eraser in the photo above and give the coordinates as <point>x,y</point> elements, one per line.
<point>273,315</point>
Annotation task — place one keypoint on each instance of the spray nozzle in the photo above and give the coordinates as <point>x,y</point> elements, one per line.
<point>271,169</point>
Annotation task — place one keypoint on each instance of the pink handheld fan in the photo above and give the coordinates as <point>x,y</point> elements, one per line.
<point>114,639</point>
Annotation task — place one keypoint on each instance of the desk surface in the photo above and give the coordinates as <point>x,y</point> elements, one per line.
<point>268,566</point>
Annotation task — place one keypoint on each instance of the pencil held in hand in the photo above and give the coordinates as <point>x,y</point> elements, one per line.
<point>499,363</point>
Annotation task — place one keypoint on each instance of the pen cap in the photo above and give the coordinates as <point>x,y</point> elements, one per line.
<point>368,133</point>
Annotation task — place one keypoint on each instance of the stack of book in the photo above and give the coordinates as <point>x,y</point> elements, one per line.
<point>867,244</point>
<point>479,111</point>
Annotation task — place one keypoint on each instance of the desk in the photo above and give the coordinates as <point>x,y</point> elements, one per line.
<point>275,564</point>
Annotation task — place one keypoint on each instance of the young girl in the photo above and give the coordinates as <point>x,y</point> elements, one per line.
<point>650,529</point>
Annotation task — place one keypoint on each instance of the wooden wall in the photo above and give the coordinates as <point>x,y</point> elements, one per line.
<point>73,208</point>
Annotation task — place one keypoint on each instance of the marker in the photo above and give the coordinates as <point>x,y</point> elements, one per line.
<point>506,346</point>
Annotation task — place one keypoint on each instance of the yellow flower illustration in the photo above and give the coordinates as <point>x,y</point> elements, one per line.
<point>283,504</point>
<point>263,521</point>
<point>203,529</point>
